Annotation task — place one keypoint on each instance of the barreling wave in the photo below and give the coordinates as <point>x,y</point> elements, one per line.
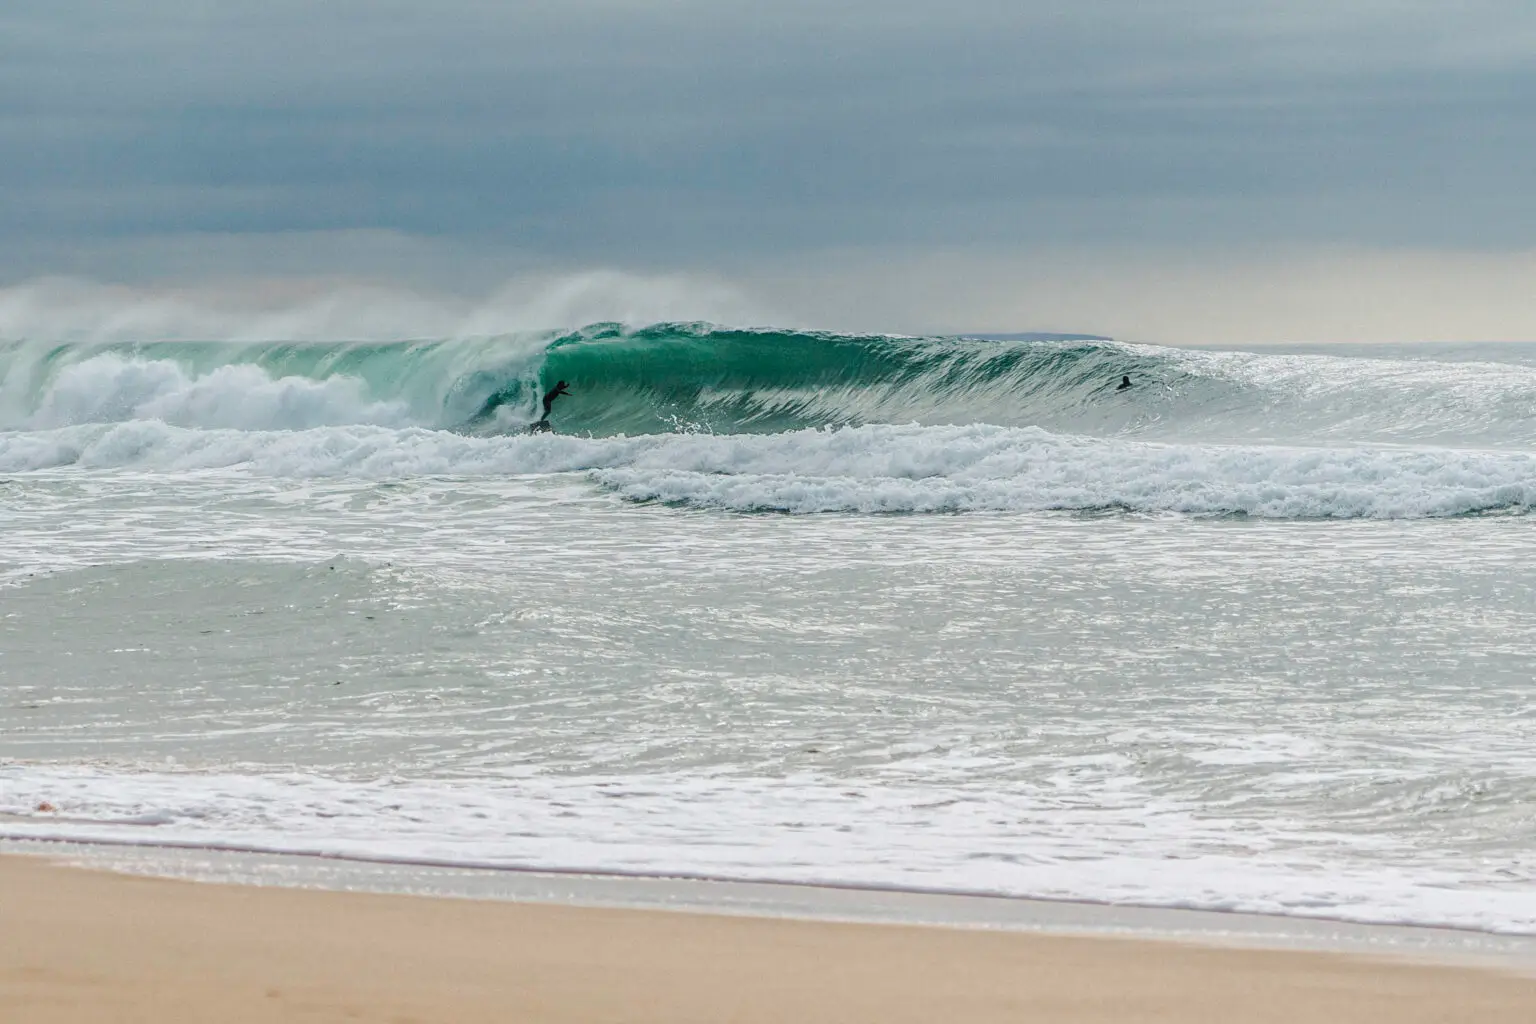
<point>624,381</point>
<point>760,420</point>
<point>696,377</point>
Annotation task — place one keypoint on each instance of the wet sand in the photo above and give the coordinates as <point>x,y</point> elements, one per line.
<point>88,946</point>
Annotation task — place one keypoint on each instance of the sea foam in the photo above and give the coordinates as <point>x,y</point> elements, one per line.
<point>804,829</point>
<point>890,469</point>
<point>109,388</point>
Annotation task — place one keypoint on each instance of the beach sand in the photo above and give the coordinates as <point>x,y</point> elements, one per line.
<point>87,946</point>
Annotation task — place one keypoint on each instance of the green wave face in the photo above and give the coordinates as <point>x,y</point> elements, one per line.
<point>694,377</point>
<point>663,378</point>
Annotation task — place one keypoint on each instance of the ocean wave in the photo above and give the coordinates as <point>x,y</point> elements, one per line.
<point>623,381</point>
<point>698,377</point>
<point>885,469</point>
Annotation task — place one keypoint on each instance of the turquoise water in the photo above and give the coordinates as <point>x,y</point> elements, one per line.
<point>695,377</point>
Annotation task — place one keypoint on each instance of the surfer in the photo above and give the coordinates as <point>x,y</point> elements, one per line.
<point>1125,382</point>
<point>543,427</point>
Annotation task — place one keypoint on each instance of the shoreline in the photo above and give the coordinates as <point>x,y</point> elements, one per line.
<point>78,946</point>
<point>791,900</point>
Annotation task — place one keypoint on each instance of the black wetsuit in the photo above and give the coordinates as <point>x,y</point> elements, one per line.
<point>549,402</point>
<point>552,394</point>
<point>1125,382</point>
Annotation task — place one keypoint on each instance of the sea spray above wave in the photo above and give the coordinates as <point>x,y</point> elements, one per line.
<point>860,469</point>
<point>61,310</point>
<point>671,377</point>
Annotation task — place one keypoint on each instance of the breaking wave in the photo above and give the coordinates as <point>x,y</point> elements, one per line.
<point>805,421</point>
<point>672,377</point>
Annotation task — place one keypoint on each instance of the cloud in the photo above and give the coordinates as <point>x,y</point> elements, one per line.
<point>480,139</point>
<point>1211,296</point>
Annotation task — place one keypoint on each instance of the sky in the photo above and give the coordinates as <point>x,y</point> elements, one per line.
<point>1190,170</point>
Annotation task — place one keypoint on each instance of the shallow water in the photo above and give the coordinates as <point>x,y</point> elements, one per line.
<point>510,656</point>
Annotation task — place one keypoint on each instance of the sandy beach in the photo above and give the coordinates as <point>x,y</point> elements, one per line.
<point>82,946</point>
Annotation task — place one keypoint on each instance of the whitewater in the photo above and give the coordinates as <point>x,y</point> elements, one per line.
<point>942,612</point>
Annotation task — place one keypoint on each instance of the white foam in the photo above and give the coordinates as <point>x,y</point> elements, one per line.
<point>109,388</point>
<point>1012,839</point>
<point>858,469</point>
<point>953,469</point>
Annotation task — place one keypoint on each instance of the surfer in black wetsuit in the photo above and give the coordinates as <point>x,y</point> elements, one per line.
<point>1125,382</point>
<point>543,427</point>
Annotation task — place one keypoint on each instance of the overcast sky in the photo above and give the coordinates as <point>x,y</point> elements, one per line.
<point>1197,168</point>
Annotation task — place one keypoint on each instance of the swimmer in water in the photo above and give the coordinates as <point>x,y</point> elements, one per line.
<point>1125,382</point>
<point>543,427</point>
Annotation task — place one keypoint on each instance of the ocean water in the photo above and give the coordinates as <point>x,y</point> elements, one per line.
<point>944,613</point>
